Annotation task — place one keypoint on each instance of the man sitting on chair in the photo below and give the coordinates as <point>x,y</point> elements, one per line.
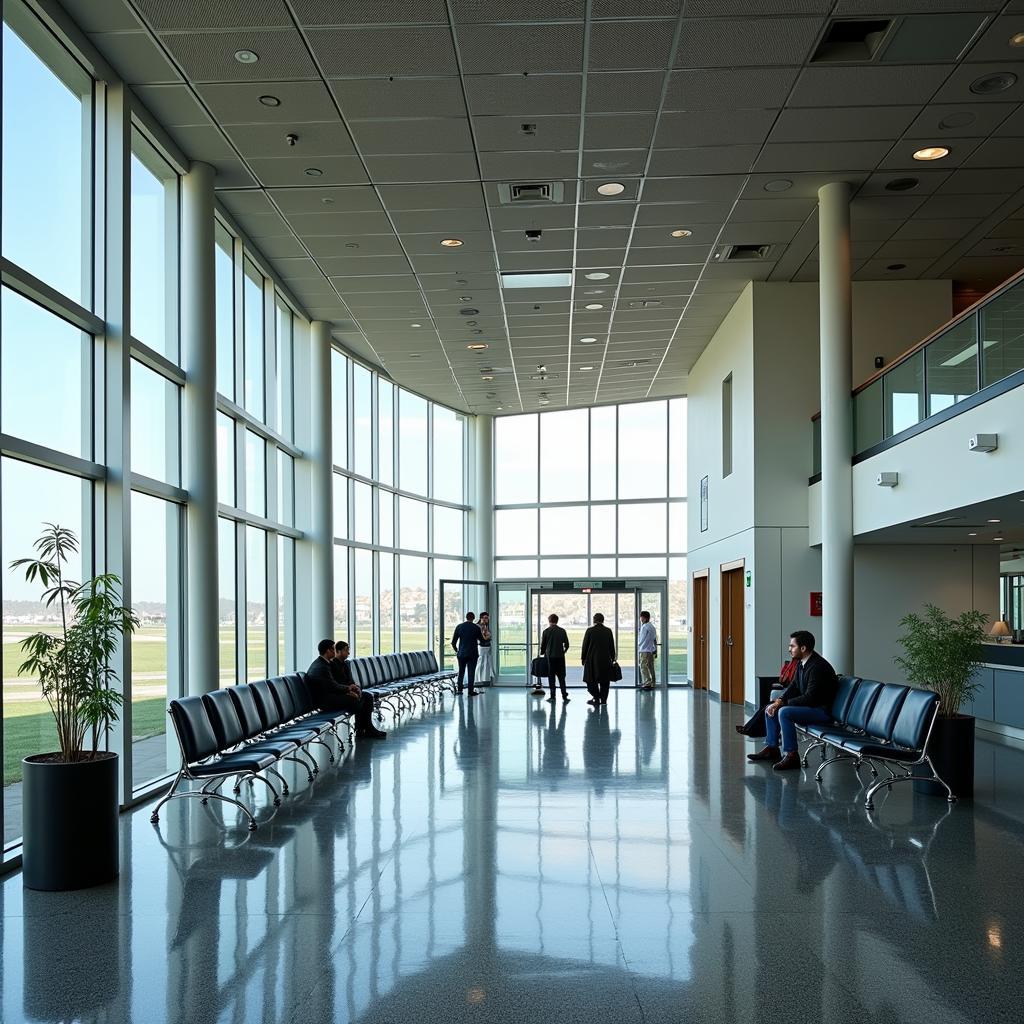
<point>334,689</point>
<point>806,700</point>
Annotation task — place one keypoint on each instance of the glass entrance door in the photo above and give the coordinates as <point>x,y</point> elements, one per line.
<point>457,598</point>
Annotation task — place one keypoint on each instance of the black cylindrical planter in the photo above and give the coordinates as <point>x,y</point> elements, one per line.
<point>70,822</point>
<point>952,752</point>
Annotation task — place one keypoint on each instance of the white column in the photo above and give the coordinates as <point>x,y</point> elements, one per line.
<point>483,498</point>
<point>321,518</point>
<point>836,326</point>
<point>199,361</point>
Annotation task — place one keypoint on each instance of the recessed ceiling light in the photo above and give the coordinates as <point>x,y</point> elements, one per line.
<point>1017,39</point>
<point>896,266</point>
<point>542,368</point>
<point>351,245</point>
<point>313,172</point>
<point>270,101</point>
<point>1000,81</point>
<point>587,341</point>
<point>477,346</point>
<point>597,275</point>
<point>327,201</point>
<point>972,535</point>
<point>958,119</point>
<point>415,325</point>
<point>595,305</point>
<point>611,188</point>
<point>246,56</point>
<point>681,233</point>
<point>451,243</point>
<point>486,376</point>
<point>994,520</point>
<point>998,538</point>
<point>778,185</point>
<point>556,279</point>
<point>931,153</point>
<point>465,298</point>
<point>414,355</point>
<point>901,184</point>
<point>586,367</point>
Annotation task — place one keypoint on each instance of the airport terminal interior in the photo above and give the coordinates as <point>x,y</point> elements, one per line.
<point>337,319</point>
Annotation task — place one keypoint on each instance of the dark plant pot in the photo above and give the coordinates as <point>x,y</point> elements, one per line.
<point>70,822</point>
<point>952,752</point>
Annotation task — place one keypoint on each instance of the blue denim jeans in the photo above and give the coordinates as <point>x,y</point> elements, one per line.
<point>786,719</point>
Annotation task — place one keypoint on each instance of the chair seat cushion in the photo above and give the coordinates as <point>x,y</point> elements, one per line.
<point>300,733</point>
<point>277,747</point>
<point>837,736</point>
<point>240,761</point>
<point>328,718</point>
<point>818,728</point>
<point>867,746</point>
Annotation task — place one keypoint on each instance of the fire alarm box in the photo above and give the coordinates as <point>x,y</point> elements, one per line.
<point>816,602</point>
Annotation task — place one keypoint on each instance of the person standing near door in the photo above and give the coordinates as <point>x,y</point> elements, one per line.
<point>554,642</point>
<point>647,648</point>
<point>484,671</point>
<point>466,641</point>
<point>598,656</point>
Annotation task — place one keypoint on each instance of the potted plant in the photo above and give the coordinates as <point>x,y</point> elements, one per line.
<point>69,795</point>
<point>942,653</point>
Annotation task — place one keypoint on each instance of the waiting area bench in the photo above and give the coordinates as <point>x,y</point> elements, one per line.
<point>244,732</point>
<point>878,723</point>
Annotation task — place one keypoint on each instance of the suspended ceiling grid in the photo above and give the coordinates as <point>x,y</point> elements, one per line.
<point>713,117</point>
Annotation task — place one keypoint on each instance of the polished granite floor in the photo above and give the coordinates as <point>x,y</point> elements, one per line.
<point>501,860</point>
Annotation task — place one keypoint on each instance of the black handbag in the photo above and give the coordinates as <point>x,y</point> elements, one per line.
<point>616,675</point>
<point>539,667</point>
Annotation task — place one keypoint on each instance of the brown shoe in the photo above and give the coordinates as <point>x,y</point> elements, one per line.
<point>766,754</point>
<point>790,762</point>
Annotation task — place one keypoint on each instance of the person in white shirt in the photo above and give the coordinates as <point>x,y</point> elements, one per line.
<point>484,669</point>
<point>647,647</point>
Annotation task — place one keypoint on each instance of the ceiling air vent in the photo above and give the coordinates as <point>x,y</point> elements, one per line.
<point>531,192</point>
<point>851,42</point>
<point>741,253</point>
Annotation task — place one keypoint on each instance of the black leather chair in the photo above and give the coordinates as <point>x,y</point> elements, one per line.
<point>204,760</point>
<point>840,710</point>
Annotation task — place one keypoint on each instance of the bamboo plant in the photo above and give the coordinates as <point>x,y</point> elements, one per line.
<point>942,653</point>
<point>73,667</point>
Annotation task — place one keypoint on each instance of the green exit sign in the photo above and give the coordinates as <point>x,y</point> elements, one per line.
<point>588,584</point>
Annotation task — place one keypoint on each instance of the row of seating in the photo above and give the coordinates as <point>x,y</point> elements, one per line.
<point>242,732</point>
<point>878,722</point>
<point>396,680</point>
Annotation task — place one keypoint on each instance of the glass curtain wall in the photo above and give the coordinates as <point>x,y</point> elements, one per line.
<point>255,468</point>
<point>399,509</point>
<point>596,493</point>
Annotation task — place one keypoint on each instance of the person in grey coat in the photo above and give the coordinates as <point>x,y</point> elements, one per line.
<point>598,654</point>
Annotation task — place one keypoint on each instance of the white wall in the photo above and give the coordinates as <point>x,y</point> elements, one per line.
<point>891,580</point>
<point>938,472</point>
<point>762,513</point>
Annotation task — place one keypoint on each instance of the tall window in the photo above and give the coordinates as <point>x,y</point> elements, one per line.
<point>595,493</point>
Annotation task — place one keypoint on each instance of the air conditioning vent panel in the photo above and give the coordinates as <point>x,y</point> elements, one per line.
<point>529,192</point>
<point>745,253</point>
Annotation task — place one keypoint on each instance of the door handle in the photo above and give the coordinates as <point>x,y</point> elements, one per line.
<point>728,642</point>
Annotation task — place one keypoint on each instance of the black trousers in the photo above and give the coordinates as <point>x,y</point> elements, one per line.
<point>360,708</point>
<point>599,691</point>
<point>556,670</point>
<point>467,665</point>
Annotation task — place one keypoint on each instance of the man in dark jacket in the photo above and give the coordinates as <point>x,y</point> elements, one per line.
<point>334,690</point>
<point>598,656</point>
<point>466,641</point>
<point>807,699</point>
<point>554,642</point>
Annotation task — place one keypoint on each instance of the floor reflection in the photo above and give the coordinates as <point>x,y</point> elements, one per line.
<point>503,859</point>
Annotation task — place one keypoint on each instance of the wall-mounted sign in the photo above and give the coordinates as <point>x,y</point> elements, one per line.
<point>816,602</point>
<point>587,585</point>
<point>703,504</point>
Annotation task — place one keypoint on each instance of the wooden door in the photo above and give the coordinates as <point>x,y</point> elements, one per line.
<point>732,636</point>
<point>700,632</point>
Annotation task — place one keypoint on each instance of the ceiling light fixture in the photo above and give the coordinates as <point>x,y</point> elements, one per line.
<point>270,101</point>
<point>597,275</point>
<point>931,153</point>
<point>777,185</point>
<point>486,376</point>
<point>587,341</point>
<point>1017,39</point>
<point>972,535</point>
<point>246,56</point>
<point>681,233</point>
<point>594,305</point>
<point>586,367</point>
<point>465,298</point>
<point>901,184</point>
<point>994,520</point>
<point>553,280</point>
<point>611,188</point>
<point>998,538</point>
<point>1000,81</point>
<point>477,346</point>
<point>896,266</point>
<point>451,243</point>
<point>313,172</point>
